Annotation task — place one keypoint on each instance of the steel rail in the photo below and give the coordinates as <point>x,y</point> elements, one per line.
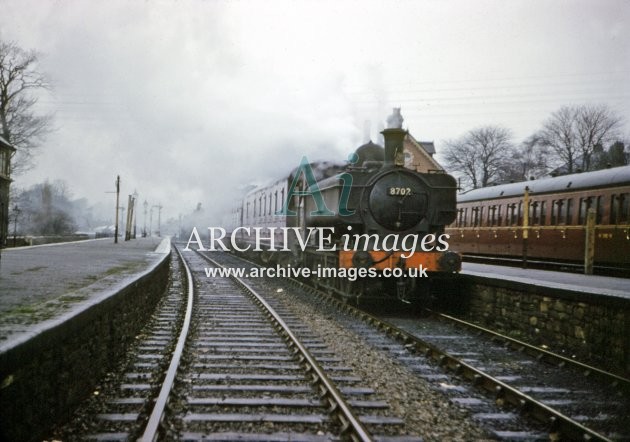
<point>559,424</point>
<point>352,427</point>
<point>541,353</point>
<point>152,429</point>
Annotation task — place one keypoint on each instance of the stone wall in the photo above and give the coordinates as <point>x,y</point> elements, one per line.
<point>45,377</point>
<point>593,328</point>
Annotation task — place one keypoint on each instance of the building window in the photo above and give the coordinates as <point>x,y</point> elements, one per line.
<point>4,163</point>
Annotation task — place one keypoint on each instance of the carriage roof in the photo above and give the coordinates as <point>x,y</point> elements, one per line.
<point>616,176</point>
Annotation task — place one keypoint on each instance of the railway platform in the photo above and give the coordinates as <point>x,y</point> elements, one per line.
<point>585,316</point>
<point>43,285</point>
<point>571,282</point>
<point>67,313</point>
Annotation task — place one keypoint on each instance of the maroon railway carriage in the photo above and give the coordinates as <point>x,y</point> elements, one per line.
<point>490,220</point>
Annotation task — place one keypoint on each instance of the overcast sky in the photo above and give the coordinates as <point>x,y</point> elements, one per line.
<point>189,100</point>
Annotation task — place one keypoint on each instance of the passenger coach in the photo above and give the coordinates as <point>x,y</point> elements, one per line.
<point>546,220</point>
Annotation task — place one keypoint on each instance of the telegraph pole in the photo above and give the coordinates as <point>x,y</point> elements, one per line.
<point>129,218</point>
<point>117,197</point>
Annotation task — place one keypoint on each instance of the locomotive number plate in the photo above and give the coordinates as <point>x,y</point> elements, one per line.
<point>400,191</point>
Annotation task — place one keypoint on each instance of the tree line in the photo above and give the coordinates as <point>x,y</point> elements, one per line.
<point>49,208</point>
<point>572,139</point>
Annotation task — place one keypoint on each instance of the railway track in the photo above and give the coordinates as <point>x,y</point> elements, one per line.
<point>252,369</point>
<point>530,393</point>
<point>248,376</point>
<point>120,406</point>
<point>220,363</point>
<point>538,394</point>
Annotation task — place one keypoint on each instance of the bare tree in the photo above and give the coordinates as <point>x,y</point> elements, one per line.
<point>480,155</point>
<point>528,160</point>
<point>596,125</point>
<point>572,132</point>
<point>19,83</point>
<point>46,209</point>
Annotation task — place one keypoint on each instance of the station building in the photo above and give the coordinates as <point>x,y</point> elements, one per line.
<point>419,155</point>
<point>6,152</point>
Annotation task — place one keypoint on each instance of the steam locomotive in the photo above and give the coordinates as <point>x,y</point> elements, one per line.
<point>373,221</point>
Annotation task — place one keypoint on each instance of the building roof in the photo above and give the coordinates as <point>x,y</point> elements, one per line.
<point>599,178</point>
<point>428,146</point>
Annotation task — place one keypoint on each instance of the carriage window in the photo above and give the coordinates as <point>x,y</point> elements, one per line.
<point>460,218</point>
<point>558,216</point>
<point>499,218</point>
<point>511,218</point>
<point>533,214</point>
<point>560,212</point>
<point>475,216</point>
<point>569,211</point>
<point>492,210</point>
<point>624,208</point>
<point>543,213</point>
<point>480,216</point>
<point>520,213</point>
<point>585,204</point>
<point>465,216</point>
<point>599,210</point>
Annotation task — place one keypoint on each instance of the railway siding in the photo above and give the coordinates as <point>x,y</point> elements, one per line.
<point>576,321</point>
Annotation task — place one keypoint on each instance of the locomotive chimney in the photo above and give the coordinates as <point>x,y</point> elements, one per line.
<point>394,136</point>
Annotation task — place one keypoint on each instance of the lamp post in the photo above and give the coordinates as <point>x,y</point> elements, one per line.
<point>16,211</point>
<point>159,207</point>
<point>151,221</point>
